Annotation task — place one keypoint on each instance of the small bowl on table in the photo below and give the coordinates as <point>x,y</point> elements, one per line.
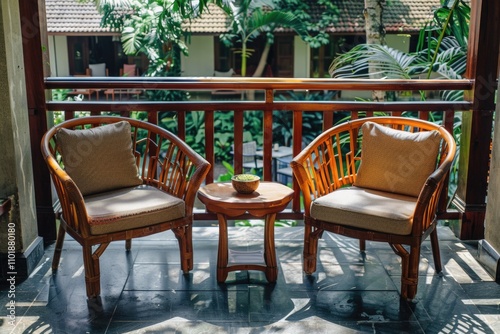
<point>245,183</point>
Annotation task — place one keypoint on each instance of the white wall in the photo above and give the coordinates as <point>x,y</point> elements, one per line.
<point>16,170</point>
<point>200,61</point>
<point>399,42</point>
<point>58,56</point>
<point>492,232</point>
<point>301,58</point>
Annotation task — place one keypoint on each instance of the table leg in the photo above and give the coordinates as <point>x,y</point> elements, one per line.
<point>269,249</point>
<point>222,255</point>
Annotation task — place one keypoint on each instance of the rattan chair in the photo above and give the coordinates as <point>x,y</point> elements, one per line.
<point>119,178</point>
<point>362,179</point>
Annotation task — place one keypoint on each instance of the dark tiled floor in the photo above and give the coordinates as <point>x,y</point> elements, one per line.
<point>143,291</point>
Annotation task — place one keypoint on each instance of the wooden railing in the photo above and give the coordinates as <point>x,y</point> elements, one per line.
<point>269,87</point>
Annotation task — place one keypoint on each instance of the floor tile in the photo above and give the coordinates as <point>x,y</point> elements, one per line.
<point>145,291</point>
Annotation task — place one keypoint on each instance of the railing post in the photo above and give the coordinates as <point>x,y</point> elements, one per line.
<point>482,68</point>
<point>268,135</point>
<point>34,64</point>
<point>238,141</point>
<point>297,147</point>
<point>210,143</point>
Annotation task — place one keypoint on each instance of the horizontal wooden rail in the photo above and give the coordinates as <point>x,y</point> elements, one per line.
<point>211,83</point>
<point>271,87</point>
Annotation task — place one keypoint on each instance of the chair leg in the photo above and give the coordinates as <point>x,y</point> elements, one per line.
<point>58,248</point>
<point>184,236</point>
<point>409,269</point>
<point>435,251</point>
<point>92,272</point>
<point>362,245</point>
<point>311,238</point>
<point>412,278</point>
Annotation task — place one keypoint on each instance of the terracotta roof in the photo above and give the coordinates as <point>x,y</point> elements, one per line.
<point>403,15</point>
<point>72,17</point>
<point>213,21</point>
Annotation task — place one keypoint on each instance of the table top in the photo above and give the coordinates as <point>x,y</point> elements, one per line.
<point>222,198</point>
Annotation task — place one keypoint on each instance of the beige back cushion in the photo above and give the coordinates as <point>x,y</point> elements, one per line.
<point>129,70</point>
<point>396,161</point>
<point>99,159</point>
<point>98,70</point>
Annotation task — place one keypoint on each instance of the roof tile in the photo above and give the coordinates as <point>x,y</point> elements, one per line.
<point>72,17</point>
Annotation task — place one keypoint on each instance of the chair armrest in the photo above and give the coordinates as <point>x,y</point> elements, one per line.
<point>70,198</point>
<point>428,200</point>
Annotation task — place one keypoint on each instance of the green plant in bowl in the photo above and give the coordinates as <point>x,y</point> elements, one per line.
<point>245,183</point>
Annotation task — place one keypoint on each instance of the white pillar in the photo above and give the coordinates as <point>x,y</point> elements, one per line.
<point>18,226</point>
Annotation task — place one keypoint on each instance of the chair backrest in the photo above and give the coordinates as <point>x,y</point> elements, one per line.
<point>97,70</point>
<point>174,166</point>
<point>129,70</point>
<point>249,149</point>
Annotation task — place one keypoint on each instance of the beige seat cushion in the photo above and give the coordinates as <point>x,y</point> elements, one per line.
<point>396,161</point>
<point>369,209</point>
<point>99,159</point>
<point>129,208</point>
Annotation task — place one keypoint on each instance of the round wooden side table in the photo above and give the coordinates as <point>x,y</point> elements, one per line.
<point>269,199</point>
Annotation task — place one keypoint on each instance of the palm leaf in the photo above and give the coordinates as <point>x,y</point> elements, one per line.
<point>383,60</point>
<point>131,41</point>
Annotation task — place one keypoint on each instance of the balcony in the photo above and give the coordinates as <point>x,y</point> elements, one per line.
<point>146,291</point>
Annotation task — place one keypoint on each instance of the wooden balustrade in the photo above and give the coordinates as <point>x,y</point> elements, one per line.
<point>269,88</point>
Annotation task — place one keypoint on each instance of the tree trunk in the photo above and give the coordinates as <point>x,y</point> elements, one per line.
<point>375,34</point>
<point>260,69</point>
<point>244,60</point>
<point>262,61</point>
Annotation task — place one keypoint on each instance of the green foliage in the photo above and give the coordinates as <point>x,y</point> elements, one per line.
<point>224,128</point>
<point>447,21</point>
<point>154,28</point>
<point>60,94</point>
<point>312,122</point>
<point>444,55</point>
<point>229,174</point>
<point>249,20</point>
<point>393,64</point>
<point>317,28</point>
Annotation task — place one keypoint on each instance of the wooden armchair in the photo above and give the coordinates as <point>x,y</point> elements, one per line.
<point>378,179</point>
<point>120,178</point>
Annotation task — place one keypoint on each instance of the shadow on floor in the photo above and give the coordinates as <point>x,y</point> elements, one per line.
<point>144,291</point>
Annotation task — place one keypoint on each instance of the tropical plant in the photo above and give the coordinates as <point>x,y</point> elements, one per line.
<point>442,50</point>
<point>317,27</point>
<point>154,28</point>
<point>447,20</point>
<point>249,19</point>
